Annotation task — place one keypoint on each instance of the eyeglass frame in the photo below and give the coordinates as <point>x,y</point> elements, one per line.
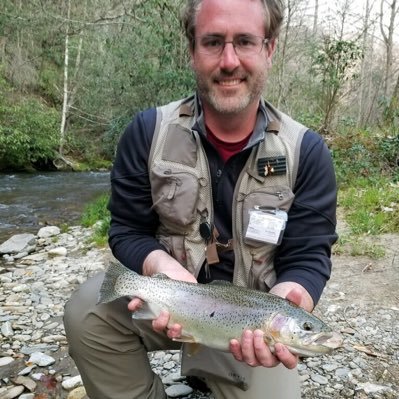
<point>263,43</point>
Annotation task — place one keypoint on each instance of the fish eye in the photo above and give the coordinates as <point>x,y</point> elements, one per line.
<point>307,326</point>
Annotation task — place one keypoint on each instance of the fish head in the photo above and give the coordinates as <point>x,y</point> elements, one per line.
<point>306,336</point>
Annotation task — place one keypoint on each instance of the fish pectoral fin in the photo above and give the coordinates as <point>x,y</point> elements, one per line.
<point>146,312</point>
<point>186,338</point>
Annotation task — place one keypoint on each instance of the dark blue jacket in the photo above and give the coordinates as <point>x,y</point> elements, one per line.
<point>302,257</point>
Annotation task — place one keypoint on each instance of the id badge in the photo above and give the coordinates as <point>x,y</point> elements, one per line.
<point>266,225</point>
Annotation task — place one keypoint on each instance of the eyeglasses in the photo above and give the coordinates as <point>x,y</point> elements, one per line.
<point>244,45</point>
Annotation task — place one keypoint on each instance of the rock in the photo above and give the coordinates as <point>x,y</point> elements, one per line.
<point>175,391</point>
<point>12,392</point>
<point>6,329</point>
<point>41,359</point>
<point>26,382</point>
<point>27,370</point>
<point>27,396</point>
<point>19,243</point>
<point>77,393</point>
<point>72,383</point>
<point>4,361</point>
<point>370,388</point>
<point>48,231</point>
<point>319,379</point>
<point>59,251</point>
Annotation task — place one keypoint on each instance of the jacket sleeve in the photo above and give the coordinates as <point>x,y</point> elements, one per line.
<point>133,223</point>
<point>305,251</point>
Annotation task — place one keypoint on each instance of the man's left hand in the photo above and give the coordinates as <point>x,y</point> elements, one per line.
<point>252,348</point>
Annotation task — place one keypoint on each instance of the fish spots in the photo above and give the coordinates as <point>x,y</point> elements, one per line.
<point>212,314</point>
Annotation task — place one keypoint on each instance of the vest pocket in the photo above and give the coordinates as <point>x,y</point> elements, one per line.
<point>174,194</point>
<point>273,197</point>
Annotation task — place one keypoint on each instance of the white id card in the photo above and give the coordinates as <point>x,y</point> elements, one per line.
<point>266,226</point>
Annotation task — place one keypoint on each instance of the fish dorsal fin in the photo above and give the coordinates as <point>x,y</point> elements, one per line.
<point>146,312</point>
<point>220,282</point>
<point>161,276</point>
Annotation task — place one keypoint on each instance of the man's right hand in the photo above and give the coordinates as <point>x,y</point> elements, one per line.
<point>160,262</point>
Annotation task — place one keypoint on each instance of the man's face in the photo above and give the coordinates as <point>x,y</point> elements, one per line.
<point>227,83</point>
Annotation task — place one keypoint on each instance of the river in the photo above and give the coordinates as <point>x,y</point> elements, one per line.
<point>29,201</point>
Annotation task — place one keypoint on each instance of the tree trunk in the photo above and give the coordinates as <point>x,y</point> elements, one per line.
<point>65,103</point>
<point>388,41</point>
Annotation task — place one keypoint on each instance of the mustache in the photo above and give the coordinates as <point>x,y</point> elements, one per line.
<point>229,74</point>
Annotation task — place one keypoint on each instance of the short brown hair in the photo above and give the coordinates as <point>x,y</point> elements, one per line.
<point>273,18</point>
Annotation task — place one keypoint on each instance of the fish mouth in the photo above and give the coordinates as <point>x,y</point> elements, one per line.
<point>328,340</point>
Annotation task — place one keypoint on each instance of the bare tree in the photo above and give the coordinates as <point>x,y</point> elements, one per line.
<point>387,34</point>
<point>365,65</point>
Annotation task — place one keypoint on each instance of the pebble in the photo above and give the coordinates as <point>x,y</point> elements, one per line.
<point>35,286</point>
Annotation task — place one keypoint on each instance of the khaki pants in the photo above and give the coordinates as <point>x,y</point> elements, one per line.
<point>110,352</point>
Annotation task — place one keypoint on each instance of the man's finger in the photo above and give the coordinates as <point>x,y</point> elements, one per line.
<point>285,356</point>
<point>161,322</point>
<point>135,304</point>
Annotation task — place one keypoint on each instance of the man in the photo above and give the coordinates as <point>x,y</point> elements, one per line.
<point>220,186</point>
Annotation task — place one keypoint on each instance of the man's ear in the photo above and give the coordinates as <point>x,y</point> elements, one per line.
<point>271,47</point>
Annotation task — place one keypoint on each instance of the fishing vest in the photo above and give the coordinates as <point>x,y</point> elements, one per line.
<point>181,189</point>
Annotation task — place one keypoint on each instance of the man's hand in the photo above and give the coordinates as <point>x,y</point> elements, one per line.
<point>160,262</point>
<point>252,348</point>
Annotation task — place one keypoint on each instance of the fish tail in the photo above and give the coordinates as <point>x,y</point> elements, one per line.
<point>107,291</point>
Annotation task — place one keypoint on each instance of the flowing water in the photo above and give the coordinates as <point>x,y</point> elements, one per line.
<point>30,201</point>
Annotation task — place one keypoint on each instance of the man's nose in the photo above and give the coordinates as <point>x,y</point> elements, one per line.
<point>229,59</point>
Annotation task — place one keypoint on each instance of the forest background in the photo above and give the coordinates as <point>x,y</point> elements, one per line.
<point>73,73</point>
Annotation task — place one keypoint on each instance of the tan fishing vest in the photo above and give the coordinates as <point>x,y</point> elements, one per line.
<point>182,191</point>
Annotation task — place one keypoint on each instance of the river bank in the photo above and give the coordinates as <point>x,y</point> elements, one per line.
<point>360,300</point>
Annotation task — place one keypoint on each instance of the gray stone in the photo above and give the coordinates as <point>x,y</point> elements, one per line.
<point>48,231</point>
<point>4,361</point>
<point>6,329</point>
<point>41,359</point>
<point>12,392</point>
<point>175,391</point>
<point>72,383</point>
<point>59,251</point>
<point>319,379</point>
<point>19,243</point>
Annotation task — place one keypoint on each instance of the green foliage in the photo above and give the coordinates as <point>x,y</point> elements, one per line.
<point>371,209</point>
<point>96,215</point>
<point>362,153</point>
<point>333,62</point>
<point>28,133</point>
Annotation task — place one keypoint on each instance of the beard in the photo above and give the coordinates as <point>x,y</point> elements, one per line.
<point>230,103</point>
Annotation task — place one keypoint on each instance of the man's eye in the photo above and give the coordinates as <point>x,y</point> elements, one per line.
<point>212,43</point>
<point>245,42</point>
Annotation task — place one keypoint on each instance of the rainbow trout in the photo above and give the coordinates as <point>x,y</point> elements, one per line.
<point>213,314</point>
